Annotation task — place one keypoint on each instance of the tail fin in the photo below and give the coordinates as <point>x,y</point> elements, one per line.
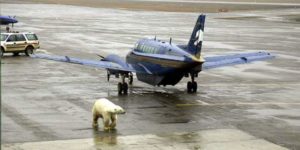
<point>195,43</point>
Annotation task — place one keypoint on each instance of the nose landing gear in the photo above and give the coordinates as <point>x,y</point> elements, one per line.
<point>192,85</point>
<point>123,86</point>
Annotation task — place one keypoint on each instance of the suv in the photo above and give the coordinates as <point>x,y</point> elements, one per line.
<point>19,42</point>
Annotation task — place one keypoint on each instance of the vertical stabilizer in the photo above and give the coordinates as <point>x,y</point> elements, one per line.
<point>195,43</point>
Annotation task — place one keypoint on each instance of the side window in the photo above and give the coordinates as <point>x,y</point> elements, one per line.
<point>31,37</point>
<point>12,38</point>
<point>20,37</point>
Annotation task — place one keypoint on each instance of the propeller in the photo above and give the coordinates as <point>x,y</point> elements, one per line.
<point>102,57</point>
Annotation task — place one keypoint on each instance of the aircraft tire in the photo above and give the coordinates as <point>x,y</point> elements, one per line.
<point>125,88</point>
<point>189,87</point>
<point>120,88</point>
<point>194,87</point>
<point>130,79</point>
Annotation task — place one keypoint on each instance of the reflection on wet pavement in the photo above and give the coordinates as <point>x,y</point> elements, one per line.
<point>221,139</point>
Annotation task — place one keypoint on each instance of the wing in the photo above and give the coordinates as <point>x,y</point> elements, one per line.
<point>229,60</point>
<point>91,63</point>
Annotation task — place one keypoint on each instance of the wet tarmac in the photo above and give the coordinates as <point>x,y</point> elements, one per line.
<point>47,101</point>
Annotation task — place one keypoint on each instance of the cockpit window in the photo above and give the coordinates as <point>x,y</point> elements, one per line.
<point>147,49</point>
<point>136,45</point>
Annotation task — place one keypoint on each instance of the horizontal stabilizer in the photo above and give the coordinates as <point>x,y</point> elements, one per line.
<point>229,60</point>
<point>91,63</point>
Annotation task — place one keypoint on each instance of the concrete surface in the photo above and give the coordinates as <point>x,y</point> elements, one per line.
<point>220,139</point>
<point>47,101</point>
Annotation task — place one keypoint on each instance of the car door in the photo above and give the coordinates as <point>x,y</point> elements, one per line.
<point>20,42</point>
<point>11,43</point>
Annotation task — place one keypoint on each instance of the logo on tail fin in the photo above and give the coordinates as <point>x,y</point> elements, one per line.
<point>199,37</point>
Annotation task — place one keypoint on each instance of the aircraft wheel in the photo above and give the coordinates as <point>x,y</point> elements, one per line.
<point>120,88</point>
<point>194,87</point>
<point>130,79</point>
<point>189,87</point>
<point>125,88</point>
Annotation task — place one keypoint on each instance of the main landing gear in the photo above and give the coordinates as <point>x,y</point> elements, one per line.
<point>192,85</point>
<point>123,86</point>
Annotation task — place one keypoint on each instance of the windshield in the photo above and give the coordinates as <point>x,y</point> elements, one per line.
<point>3,37</point>
<point>31,37</point>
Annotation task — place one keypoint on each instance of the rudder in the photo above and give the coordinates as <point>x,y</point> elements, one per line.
<point>195,43</point>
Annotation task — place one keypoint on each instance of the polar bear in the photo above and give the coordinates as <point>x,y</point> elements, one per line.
<point>108,111</point>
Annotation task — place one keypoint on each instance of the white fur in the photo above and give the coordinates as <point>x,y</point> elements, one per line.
<point>108,111</point>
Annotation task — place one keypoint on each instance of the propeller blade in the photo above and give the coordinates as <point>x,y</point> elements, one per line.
<point>102,57</point>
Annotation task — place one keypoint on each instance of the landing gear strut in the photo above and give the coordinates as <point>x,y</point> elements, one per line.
<point>192,85</point>
<point>123,86</point>
<point>130,79</point>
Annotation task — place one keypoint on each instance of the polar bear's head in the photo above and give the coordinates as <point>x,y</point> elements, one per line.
<point>118,110</point>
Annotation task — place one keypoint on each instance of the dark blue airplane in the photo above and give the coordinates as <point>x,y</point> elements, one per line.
<point>163,63</point>
<point>5,20</point>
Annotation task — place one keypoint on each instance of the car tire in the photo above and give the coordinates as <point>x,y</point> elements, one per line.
<point>29,51</point>
<point>1,52</point>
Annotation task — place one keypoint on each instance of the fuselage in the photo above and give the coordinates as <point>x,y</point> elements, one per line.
<point>4,20</point>
<point>161,63</point>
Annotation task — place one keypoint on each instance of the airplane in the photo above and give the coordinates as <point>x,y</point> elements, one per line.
<point>157,62</point>
<point>5,20</point>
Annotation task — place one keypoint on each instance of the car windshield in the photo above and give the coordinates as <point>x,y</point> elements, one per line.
<point>31,37</point>
<point>3,37</point>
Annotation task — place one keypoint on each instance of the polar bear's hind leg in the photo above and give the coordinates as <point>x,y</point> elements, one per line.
<point>95,120</point>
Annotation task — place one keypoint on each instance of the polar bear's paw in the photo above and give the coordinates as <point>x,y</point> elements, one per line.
<point>107,128</point>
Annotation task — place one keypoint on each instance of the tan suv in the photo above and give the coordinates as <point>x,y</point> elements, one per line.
<point>18,43</point>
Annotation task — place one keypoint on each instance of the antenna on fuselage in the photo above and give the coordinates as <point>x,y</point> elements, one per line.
<point>170,41</point>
